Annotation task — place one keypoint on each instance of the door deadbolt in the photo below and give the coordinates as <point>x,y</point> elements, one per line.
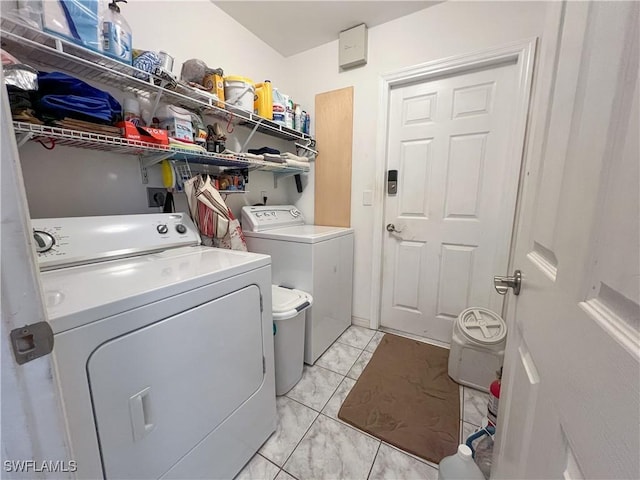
<point>503,284</point>
<point>392,182</point>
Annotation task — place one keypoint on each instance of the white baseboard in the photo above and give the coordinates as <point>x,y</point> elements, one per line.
<point>360,322</point>
<point>430,341</point>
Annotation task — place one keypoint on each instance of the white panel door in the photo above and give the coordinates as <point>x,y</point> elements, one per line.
<point>457,183</point>
<point>571,387</point>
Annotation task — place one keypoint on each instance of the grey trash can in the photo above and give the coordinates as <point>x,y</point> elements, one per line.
<point>288,307</point>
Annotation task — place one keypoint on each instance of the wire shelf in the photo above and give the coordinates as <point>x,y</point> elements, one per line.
<point>152,153</point>
<point>35,46</point>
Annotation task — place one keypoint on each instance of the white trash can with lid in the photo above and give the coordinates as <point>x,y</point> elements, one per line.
<point>477,347</point>
<point>288,307</point>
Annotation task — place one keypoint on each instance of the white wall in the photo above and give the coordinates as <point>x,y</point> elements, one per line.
<point>73,182</point>
<point>67,183</point>
<point>446,29</point>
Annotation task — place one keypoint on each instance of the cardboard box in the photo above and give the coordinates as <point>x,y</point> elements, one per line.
<point>143,134</point>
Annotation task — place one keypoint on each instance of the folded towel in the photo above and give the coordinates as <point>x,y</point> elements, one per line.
<point>297,164</point>
<point>174,142</point>
<point>273,158</point>
<point>292,156</point>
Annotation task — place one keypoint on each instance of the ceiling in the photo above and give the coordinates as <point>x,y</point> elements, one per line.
<point>293,27</point>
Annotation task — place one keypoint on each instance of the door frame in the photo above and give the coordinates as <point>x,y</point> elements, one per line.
<point>33,420</point>
<point>522,53</point>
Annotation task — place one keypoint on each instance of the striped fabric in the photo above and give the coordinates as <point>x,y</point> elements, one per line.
<point>207,208</point>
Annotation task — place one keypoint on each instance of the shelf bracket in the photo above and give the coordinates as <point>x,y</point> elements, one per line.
<point>143,171</point>
<point>22,138</point>
<point>253,131</point>
<point>281,175</point>
<point>151,160</point>
<point>307,148</point>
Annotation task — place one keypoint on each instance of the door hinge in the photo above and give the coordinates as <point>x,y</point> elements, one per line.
<point>264,365</point>
<point>261,304</point>
<point>31,342</point>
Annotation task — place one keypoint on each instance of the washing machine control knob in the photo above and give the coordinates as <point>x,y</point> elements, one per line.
<point>181,228</point>
<point>162,229</point>
<point>44,241</point>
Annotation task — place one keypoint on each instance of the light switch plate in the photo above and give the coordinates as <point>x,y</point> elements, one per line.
<point>352,46</point>
<point>367,198</point>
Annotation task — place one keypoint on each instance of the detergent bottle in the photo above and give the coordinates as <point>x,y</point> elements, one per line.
<point>263,104</point>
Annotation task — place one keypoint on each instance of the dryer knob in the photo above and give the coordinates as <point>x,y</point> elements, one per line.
<point>162,229</point>
<point>181,228</point>
<point>44,241</point>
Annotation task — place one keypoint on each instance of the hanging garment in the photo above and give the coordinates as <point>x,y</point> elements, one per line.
<point>206,207</point>
<point>217,225</point>
<point>234,239</point>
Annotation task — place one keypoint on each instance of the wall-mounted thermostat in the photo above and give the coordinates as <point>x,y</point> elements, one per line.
<point>353,47</point>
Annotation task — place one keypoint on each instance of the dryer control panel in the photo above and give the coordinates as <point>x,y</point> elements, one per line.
<point>267,217</point>
<point>63,242</point>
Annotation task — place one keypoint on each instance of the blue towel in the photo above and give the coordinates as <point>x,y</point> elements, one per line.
<point>62,95</point>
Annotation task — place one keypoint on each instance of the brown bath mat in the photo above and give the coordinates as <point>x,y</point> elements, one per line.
<point>405,397</point>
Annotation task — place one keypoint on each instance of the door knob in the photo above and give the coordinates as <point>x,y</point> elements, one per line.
<point>503,284</point>
<point>391,228</point>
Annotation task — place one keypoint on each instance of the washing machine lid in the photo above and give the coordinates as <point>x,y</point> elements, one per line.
<point>79,295</point>
<point>482,325</point>
<point>288,302</point>
<point>302,233</point>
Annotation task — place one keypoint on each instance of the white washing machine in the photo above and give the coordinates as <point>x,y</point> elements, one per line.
<point>163,348</point>
<point>311,258</point>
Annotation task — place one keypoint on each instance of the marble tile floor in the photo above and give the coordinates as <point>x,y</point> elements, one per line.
<point>312,443</point>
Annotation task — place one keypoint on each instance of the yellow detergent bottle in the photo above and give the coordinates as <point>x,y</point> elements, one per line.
<point>263,101</point>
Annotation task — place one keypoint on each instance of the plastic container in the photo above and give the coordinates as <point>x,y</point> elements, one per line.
<point>288,306</point>
<point>239,92</point>
<point>131,109</point>
<point>288,116</point>
<point>177,121</point>
<point>481,444</point>
<point>116,34</point>
<point>297,118</point>
<point>279,107</point>
<point>459,466</point>
<point>76,20</point>
<point>477,347</point>
<point>263,103</point>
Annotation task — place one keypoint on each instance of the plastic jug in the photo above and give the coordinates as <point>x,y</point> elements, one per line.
<point>459,466</point>
<point>263,104</point>
<point>116,34</point>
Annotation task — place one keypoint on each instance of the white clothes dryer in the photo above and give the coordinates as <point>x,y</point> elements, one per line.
<point>314,259</point>
<point>163,348</point>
